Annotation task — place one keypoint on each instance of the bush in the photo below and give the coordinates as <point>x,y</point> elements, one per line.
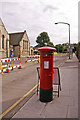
<point>36,52</point>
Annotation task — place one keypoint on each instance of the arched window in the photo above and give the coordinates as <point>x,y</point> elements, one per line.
<point>3,41</point>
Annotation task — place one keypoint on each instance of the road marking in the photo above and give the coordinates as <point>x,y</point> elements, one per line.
<point>10,108</point>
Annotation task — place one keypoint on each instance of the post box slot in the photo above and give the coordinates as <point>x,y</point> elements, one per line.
<point>46,57</point>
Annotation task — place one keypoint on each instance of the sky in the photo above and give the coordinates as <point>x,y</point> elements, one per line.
<point>37,16</point>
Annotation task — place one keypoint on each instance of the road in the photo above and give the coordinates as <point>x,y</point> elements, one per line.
<point>18,82</point>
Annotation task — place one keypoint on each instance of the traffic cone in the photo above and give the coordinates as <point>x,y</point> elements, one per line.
<point>7,70</point>
<point>20,67</point>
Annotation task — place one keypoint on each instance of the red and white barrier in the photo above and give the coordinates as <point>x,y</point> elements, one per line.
<point>6,60</point>
<point>9,66</point>
<point>32,58</point>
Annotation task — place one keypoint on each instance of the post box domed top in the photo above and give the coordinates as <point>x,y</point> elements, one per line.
<point>46,49</point>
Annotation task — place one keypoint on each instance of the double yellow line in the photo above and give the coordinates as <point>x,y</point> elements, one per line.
<point>10,108</point>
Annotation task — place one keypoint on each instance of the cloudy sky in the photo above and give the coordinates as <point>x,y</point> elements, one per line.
<point>36,16</point>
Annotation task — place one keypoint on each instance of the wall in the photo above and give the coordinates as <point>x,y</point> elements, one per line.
<point>4,52</point>
<point>24,51</point>
<point>16,51</point>
<point>78,51</point>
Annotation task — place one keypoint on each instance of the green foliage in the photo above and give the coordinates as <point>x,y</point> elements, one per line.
<point>75,47</point>
<point>62,48</point>
<point>50,44</point>
<point>44,40</point>
<point>36,52</point>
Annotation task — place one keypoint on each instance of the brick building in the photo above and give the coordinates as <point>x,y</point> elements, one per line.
<point>16,42</point>
<point>20,43</point>
<point>4,41</point>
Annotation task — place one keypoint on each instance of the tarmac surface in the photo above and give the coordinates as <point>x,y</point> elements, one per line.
<point>64,106</point>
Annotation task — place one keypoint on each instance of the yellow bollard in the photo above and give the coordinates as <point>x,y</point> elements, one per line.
<point>12,64</point>
<point>1,67</point>
<point>31,58</point>
<point>38,59</point>
<point>26,60</point>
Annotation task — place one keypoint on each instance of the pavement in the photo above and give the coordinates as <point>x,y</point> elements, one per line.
<point>64,106</point>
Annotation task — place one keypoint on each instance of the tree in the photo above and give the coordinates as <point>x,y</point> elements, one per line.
<point>75,45</point>
<point>44,40</point>
<point>61,48</point>
<point>50,44</point>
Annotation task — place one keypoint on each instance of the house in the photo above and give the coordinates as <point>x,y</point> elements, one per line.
<point>4,41</point>
<point>20,43</point>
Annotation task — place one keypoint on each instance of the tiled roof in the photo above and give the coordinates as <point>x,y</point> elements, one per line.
<point>15,38</point>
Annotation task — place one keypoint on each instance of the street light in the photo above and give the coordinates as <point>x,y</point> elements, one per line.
<point>69,33</point>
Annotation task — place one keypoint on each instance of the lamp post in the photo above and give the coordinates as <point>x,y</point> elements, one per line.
<point>69,33</point>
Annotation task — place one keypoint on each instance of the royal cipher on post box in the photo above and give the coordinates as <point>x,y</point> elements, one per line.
<point>46,73</point>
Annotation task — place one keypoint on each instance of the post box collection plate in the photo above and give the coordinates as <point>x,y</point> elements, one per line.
<point>46,64</point>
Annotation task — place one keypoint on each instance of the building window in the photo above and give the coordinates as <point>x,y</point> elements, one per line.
<point>3,41</point>
<point>27,45</point>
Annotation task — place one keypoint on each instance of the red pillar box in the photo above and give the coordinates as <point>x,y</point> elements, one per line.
<point>46,73</point>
